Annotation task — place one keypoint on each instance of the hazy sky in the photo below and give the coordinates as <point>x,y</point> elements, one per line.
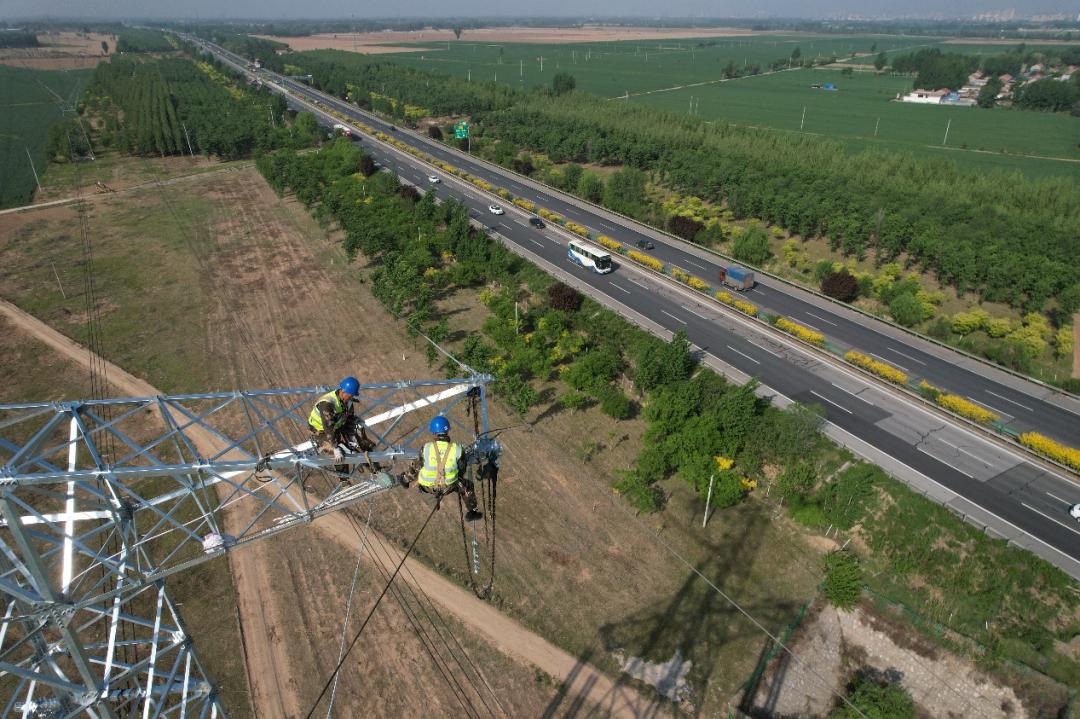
<point>549,8</point>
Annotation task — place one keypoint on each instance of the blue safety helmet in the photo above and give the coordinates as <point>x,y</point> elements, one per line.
<point>349,385</point>
<point>439,425</point>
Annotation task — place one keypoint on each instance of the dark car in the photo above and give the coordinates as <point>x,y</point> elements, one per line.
<point>645,245</point>
<point>536,222</point>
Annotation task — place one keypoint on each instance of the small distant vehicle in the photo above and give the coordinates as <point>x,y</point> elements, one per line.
<point>737,278</point>
<point>589,257</point>
<point>393,128</point>
<point>1074,512</point>
<point>495,210</point>
<point>338,127</point>
<point>645,245</point>
<point>433,179</point>
<point>536,222</point>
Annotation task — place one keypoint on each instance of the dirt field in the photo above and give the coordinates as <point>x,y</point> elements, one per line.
<point>389,41</point>
<point>60,51</point>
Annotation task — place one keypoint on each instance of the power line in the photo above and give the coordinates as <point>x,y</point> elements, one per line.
<point>367,619</point>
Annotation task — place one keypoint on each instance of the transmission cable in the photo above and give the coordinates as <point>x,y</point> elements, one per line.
<point>367,619</point>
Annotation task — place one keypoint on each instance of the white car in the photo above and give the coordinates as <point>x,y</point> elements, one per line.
<point>1074,512</point>
<point>433,179</point>
<point>495,209</point>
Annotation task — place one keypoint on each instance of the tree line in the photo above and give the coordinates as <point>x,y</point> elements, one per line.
<point>172,106</point>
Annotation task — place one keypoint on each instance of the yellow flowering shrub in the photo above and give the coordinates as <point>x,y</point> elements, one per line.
<point>609,243</point>
<point>577,229</point>
<point>525,204</point>
<point>804,333</point>
<point>723,463</point>
<point>1069,456</point>
<point>745,307</point>
<point>642,259</point>
<point>881,369</point>
<point>965,408</point>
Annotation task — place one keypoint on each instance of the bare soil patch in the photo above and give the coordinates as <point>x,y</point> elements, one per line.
<point>60,51</point>
<point>391,41</point>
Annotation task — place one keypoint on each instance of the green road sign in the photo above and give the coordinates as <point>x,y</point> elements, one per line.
<point>461,130</point>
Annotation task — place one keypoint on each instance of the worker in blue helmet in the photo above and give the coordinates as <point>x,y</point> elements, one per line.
<point>334,425</point>
<point>440,468</point>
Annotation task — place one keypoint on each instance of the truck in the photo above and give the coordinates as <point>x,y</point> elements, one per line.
<point>737,278</point>
<point>338,127</point>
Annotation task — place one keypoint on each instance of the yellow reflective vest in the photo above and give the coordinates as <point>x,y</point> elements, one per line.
<point>341,411</point>
<point>440,464</point>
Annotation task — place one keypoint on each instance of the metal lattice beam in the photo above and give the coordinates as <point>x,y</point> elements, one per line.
<point>101,500</point>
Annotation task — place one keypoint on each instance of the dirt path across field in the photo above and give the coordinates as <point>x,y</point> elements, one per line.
<point>269,667</point>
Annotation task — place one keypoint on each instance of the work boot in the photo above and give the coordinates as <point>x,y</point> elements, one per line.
<point>472,515</point>
<point>403,480</point>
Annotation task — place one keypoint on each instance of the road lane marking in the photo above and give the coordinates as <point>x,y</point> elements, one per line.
<point>894,351</point>
<point>861,399</point>
<point>961,449</point>
<point>892,362</point>
<point>1044,514</point>
<point>673,316</point>
<point>693,313</point>
<point>695,264</point>
<point>774,354</point>
<point>812,327</point>
<point>1063,501</point>
<point>834,404</point>
<point>755,289</point>
<point>620,287</point>
<point>939,459</point>
<point>644,287</point>
<point>990,407</point>
<point>1029,409</point>
<point>743,354</point>
<point>820,318</point>
<point>538,244</point>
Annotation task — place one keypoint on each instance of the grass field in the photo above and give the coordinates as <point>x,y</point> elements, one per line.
<point>861,113</point>
<point>27,109</point>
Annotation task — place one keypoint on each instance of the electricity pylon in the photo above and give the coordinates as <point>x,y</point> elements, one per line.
<point>101,500</point>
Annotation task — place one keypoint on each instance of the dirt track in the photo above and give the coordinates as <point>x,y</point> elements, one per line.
<point>271,672</point>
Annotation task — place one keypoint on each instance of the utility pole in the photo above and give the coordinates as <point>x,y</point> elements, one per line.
<point>876,126</point>
<point>521,68</point>
<point>58,282</point>
<point>708,497</point>
<point>470,74</point>
<point>32,168</point>
<point>803,120</point>
<point>541,64</point>
<point>190,151</point>
<point>273,122</point>
<point>947,126</point>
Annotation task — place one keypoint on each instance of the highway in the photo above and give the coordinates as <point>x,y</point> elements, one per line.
<point>973,475</point>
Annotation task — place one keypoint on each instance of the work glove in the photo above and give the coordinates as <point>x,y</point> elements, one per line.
<point>338,454</point>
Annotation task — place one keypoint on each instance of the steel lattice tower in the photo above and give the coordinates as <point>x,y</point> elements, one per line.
<point>102,500</point>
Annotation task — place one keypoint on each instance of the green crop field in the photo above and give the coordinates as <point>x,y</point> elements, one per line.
<point>862,107</point>
<point>611,69</point>
<point>27,110</point>
<point>861,112</point>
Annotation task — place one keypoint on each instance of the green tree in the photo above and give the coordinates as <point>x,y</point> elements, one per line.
<point>796,54</point>
<point>752,245</point>
<point>880,61</point>
<point>614,403</point>
<point>659,364</point>
<point>571,176</point>
<point>906,309</point>
<point>625,191</point>
<point>989,92</point>
<point>843,579</point>
<point>591,187</point>
<point>104,47</point>
<point>562,83</point>
<point>457,32</point>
